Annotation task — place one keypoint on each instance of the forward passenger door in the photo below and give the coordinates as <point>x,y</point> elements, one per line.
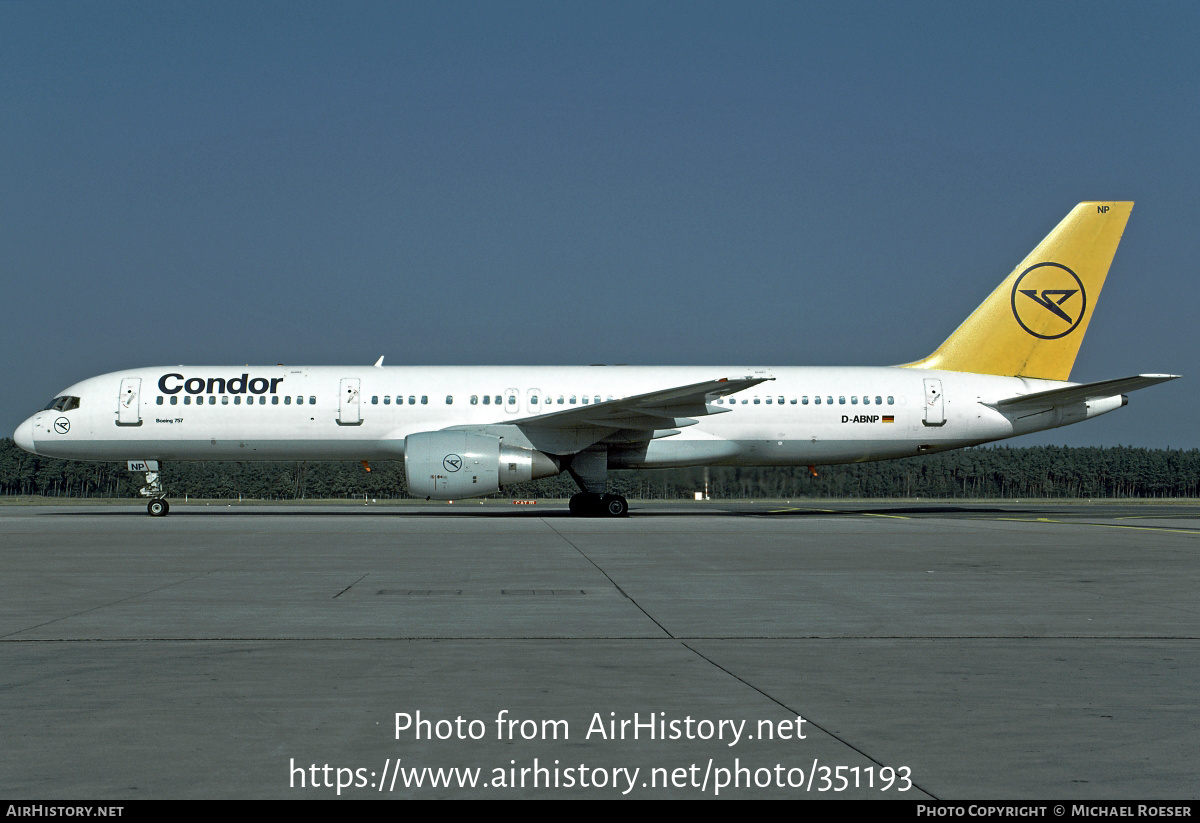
<point>129,404</point>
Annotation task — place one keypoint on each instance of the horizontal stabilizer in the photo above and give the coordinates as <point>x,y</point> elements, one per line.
<point>1081,393</point>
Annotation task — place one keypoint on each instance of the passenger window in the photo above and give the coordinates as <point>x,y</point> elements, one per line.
<point>878,400</point>
<point>412,399</point>
<point>224,400</point>
<point>159,399</point>
<point>803,400</point>
<point>312,401</point>
<point>818,399</point>
<point>596,399</point>
<point>854,400</point>
<point>187,400</point>
<point>487,400</point>
<point>449,400</point>
<point>387,400</point>
<point>174,400</point>
<point>769,401</point>
<point>533,400</point>
<point>841,400</point>
<point>424,400</point>
<point>890,401</point>
<point>572,400</point>
<point>560,400</point>
<point>866,400</point>
<point>829,399</point>
<point>374,400</point>
<point>512,400</point>
<point>212,400</point>
<point>474,400</point>
<point>756,401</point>
<point>287,401</point>
<point>793,401</point>
<point>275,400</point>
<point>300,400</point>
<point>237,400</point>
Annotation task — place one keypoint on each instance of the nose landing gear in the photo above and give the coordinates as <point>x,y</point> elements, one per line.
<point>158,506</point>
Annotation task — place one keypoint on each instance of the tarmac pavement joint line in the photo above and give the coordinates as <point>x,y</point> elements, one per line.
<point>124,599</point>
<point>721,668</point>
<point>351,586</point>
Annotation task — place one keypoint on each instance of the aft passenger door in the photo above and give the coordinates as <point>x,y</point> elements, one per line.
<point>935,413</point>
<point>349,403</point>
<point>129,404</point>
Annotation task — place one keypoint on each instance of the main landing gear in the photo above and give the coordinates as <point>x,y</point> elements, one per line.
<point>590,470</point>
<point>587,504</point>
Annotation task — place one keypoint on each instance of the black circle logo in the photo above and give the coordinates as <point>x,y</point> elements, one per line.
<point>62,425</point>
<point>452,462</point>
<point>1048,300</point>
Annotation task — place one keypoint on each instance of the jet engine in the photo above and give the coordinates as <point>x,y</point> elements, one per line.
<point>448,465</point>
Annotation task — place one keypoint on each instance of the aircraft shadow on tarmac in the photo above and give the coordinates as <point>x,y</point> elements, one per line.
<point>771,510</point>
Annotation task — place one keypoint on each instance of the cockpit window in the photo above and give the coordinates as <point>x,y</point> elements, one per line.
<point>62,404</point>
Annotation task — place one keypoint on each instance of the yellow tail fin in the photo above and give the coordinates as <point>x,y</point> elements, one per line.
<point>1033,323</point>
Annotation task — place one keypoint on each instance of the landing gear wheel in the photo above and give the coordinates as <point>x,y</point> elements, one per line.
<point>584,504</point>
<point>158,508</point>
<point>614,505</point>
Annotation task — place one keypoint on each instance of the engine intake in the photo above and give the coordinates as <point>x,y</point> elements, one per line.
<point>448,465</point>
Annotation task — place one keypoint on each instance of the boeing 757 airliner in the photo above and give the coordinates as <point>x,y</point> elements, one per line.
<point>469,431</point>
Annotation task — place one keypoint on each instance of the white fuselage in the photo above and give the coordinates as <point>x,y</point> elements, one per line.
<point>189,413</point>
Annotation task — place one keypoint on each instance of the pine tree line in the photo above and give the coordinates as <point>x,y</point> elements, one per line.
<point>992,472</point>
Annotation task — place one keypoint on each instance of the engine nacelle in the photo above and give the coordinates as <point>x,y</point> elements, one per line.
<point>1073,413</point>
<point>448,465</point>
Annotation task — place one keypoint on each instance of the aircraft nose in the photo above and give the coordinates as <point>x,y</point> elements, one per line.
<point>23,436</point>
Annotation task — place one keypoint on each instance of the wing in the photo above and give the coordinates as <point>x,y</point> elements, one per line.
<point>638,418</point>
<point>653,410</point>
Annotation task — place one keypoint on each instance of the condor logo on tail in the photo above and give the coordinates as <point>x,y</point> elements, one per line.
<point>1044,300</point>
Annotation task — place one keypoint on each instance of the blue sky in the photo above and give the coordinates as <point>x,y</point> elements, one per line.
<point>668,183</point>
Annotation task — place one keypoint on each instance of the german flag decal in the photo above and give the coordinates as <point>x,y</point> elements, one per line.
<point>888,418</point>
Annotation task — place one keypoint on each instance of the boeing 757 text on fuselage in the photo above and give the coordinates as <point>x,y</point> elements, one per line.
<point>469,431</point>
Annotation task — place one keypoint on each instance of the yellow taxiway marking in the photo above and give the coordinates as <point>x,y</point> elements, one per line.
<point>836,511</point>
<point>1100,525</point>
